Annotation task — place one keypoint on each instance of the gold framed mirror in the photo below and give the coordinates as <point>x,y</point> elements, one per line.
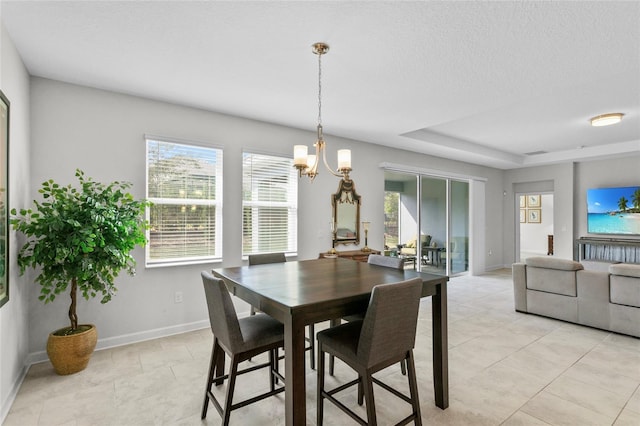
<point>346,214</point>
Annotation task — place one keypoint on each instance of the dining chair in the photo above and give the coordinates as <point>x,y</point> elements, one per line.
<point>380,260</point>
<point>388,261</point>
<point>240,339</point>
<point>263,258</point>
<point>384,337</point>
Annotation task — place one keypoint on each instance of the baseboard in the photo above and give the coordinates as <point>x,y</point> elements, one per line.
<point>126,339</point>
<point>496,267</point>
<point>8,402</point>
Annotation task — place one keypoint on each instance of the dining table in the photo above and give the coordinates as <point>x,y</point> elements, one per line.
<point>300,293</point>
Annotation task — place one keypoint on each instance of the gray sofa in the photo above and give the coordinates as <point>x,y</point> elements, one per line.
<point>563,289</point>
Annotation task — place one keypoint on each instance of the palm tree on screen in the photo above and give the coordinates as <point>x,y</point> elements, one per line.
<point>635,198</point>
<point>622,204</point>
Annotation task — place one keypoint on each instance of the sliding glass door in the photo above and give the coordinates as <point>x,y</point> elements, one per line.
<point>439,208</point>
<point>459,228</point>
<point>433,224</point>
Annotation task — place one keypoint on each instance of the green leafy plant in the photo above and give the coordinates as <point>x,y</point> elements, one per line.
<point>81,236</point>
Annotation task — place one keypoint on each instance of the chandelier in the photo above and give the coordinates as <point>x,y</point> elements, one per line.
<point>307,164</point>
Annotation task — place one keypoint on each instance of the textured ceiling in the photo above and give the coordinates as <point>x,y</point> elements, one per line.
<point>483,82</point>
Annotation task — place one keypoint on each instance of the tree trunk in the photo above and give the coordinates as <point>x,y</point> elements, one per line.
<point>73,317</point>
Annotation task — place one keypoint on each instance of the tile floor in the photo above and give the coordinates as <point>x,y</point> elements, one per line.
<point>506,368</point>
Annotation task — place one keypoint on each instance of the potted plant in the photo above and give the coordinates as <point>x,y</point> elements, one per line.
<point>80,239</point>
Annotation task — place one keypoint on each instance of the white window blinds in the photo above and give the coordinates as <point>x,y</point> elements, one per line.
<point>184,183</point>
<point>269,204</point>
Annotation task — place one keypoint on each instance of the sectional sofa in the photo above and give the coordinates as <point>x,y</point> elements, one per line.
<point>563,289</point>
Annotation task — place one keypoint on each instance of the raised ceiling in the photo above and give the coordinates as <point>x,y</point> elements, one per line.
<point>502,84</point>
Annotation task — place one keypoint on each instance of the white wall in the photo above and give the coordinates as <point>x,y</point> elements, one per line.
<point>14,329</point>
<point>103,134</point>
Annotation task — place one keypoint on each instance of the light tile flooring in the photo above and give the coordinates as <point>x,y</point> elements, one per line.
<point>506,368</point>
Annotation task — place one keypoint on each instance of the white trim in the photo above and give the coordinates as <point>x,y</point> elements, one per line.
<point>186,262</point>
<point>126,339</point>
<point>430,172</point>
<point>11,396</point>
<point>187,142</point>
<point>264,152</point>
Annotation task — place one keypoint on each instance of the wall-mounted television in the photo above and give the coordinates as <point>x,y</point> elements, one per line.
<point>614,210</point>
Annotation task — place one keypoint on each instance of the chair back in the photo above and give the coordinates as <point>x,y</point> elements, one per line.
<point>222,314</point>
<point>387,261</point>
<point>389,327</point>
<point>261,259</point>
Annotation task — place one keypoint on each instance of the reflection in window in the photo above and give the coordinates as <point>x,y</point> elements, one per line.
<point>269,204</point>
<point>184,183</point>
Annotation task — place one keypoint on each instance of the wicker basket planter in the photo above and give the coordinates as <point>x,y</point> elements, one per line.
<point>70,354</point>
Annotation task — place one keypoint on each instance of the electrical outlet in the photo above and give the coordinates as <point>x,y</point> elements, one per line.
<point>177,298</point>
<point>490,253</point>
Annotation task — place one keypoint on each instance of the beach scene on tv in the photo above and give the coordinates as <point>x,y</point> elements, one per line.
<point>614,210</point>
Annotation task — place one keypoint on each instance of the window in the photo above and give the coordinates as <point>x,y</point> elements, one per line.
<point>184,183</point>
<point>269,204</point>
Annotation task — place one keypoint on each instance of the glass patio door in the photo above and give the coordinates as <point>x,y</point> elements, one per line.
<point>428,216</point>
<point>459,239</point>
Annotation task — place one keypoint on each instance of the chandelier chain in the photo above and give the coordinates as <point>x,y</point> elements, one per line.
<point>320,89</point>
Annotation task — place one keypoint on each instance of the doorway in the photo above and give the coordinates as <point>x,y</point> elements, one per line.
<point>534,233</point>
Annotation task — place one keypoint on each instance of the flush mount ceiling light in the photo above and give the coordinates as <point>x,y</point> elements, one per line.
<point>606,119</point>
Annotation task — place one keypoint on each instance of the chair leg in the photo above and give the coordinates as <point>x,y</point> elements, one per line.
<point>413,388</point>
<point>276,365</point>
<point>211,375</point>
<point>367,384</point>
<point>230,388</point>
<point>360,391</point>
<point>273,358</point>
<point>332,362</point>
<point>320,386</point>
<point>403,367</point>
<point>333,323</point>
<point>312,343</point>
<point>251,313</point>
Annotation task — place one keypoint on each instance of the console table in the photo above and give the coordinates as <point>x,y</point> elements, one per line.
<point>624,250</point>
<point>359,255</point>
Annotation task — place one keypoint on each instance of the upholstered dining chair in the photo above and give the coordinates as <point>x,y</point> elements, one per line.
<point>261,259</point>
<point>380,260</point>
<point>240,339</point>
<point>388,261</point>
<point>384,337</point>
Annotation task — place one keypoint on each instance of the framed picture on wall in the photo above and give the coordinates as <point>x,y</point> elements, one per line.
<point>534,216</point>
<point>4,199</point>
<point>523,201</point>
<point>523,216</point>
<point>533,200</point>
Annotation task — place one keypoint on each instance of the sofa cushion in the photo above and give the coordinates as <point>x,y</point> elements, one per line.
<point>553,263</point>
<point>624,290</point>
<point>552,305</point>
<point>552,281</point>
<point>626,269</point>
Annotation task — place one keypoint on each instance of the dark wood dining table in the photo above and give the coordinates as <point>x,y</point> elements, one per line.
<point>311,291</point>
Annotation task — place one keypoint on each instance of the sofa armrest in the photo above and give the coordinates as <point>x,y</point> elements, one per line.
<point>519,273</point>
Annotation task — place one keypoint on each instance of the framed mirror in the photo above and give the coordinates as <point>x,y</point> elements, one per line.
<point>346,214</point>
